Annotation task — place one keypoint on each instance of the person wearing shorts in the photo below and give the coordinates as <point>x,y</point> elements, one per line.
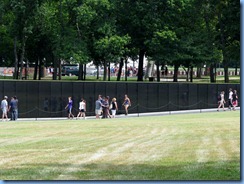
<point>4,107</point>
<point>222,101</point>
<point>126,104</point>
<point>69,106</point>
<point>114,107</point>
<point>98,107</point>
<point>82,109</point>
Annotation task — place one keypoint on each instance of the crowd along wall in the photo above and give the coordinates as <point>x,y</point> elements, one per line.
<point>49,98</point>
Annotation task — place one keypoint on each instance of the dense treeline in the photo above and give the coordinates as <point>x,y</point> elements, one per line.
<point>188,33</point>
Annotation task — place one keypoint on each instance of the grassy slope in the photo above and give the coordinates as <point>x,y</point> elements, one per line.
<point>202,146</point>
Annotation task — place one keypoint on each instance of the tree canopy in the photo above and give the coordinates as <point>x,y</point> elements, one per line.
<point>191,33</point>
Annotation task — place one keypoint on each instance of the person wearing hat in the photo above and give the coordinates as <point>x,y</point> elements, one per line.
<point>4,107</point>
<point>13,107</point>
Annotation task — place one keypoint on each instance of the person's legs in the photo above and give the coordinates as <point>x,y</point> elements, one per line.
<point>126,109</point>
<point>230,104</point>
<point>13,115</point>
<point>113,113</point>
<point>5,114</point>
<point>78,115</point>
<point>16,114</point>
<point>83,115</point>
<point>2,115</point>
<point>97,114</point>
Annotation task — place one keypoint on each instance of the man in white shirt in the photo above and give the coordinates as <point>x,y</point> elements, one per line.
<point>4,107</point>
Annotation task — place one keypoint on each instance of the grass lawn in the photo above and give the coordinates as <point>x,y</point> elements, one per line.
<point>204,146</point>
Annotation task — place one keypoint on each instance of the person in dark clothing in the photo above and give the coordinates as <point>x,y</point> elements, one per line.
<point>105,107</point>
<point>230,99</point>
<point>234,100</point>
<point>13,107</point>
<point>114,107</point>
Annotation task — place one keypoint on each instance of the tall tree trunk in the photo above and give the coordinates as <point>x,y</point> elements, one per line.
<point>191,74</point>
<point>36,68</point>
<point>199,72</point>
<point>109,71</point>
<point>80,75</point>
<point>26,70</point>
<point>236,68</point>
<point>187,74</point>
<point>40,70</point>
<point>211,68</point>
<point>215,72</point>
<point>121,64</point>
<point>140,67</point>
<point>84,73</point>
<point>126,70</point>
<point>158,72</point>
<point>222,43</point>
<point>55,71</point>
<point>22,54</point>
<point>59,70</point>
<point>16,63</point>
<point>105,71</point>
<point>176,69</point>
<point>97,72</point>
<point>226,73</point>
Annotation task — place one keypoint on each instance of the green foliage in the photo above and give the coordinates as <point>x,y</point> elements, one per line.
<point>112,47</point>
<point>188,32</point>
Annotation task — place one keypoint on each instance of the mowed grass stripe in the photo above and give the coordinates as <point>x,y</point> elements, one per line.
<point>202,146</point>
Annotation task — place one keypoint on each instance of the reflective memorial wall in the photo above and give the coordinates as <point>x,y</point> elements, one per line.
<point>48,99</point>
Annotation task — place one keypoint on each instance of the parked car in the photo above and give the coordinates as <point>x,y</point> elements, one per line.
<point>70,70</point>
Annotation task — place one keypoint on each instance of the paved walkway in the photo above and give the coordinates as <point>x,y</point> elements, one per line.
<point>136,114</point>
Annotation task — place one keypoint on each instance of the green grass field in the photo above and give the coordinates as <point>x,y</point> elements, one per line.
<point>204,146</point>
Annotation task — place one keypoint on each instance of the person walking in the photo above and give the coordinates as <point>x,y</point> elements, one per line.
<point>13,107</point>
<point>69,106</point>
<point>114,107</point>
<point>222,101</point>
<point>4,107</point>
<point>82,109</point>
<point>126,104</point>
<point>98,107</point>
<point>234,100</point>
<point>230,98</point>
<point>108,113</point>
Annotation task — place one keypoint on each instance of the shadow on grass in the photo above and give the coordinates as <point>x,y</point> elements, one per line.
<point>217,171</point>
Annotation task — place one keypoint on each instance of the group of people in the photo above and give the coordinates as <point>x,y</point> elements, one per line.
<point>12,107</point>
<point>232,100</point>
<point>102,107</point>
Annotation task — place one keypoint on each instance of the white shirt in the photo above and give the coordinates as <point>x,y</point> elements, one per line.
<point>4,104</point>
<point>230,94</point>
<point>82,105</point>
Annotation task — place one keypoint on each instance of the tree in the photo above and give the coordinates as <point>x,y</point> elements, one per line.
<point>162,48</point>
<point>111,48</point>
<point>21,27</point>
<point>140,19</point>
<point>228,28</point>
<point>6,41</point>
